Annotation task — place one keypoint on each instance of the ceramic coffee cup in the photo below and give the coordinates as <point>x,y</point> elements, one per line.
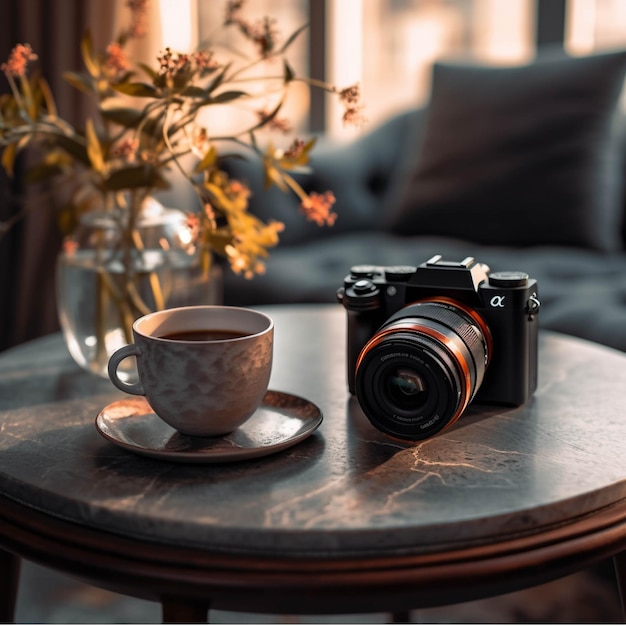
<point>203,369</point>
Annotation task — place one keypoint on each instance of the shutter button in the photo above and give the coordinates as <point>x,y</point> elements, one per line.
<point>362,287</point>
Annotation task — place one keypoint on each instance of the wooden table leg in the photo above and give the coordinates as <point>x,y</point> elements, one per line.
<point>619,561</point>
<point>183,610</point>
<point>9,581</point>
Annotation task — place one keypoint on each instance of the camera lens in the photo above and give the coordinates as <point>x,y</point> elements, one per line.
<point>407,386</point>
<point>420,370</point>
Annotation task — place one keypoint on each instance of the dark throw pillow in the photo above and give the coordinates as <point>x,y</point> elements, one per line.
<point>524,155</point>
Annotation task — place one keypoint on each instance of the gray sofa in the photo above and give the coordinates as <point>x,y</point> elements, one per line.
<point>521,168</point>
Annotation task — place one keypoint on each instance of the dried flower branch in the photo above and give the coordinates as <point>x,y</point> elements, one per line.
<point>18,60</point>
<point>130,149</point>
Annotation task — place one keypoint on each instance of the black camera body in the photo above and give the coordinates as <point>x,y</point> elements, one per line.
<point>436,323</point>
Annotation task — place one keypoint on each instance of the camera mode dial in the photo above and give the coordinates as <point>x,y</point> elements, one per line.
<point>360,295</point>
<point>399,272</point>
<point>363,271</point>
<point>508,279</point>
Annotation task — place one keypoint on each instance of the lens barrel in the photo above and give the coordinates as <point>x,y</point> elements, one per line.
<point>421,369</point>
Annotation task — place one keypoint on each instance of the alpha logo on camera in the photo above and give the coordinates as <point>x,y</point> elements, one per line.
<point>497,302</point>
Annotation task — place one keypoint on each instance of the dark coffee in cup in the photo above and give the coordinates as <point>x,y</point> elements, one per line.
<point>205,335</point>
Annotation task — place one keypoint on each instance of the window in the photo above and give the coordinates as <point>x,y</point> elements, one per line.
<point>289,15</point>
<point>388,46</point>
<point>187,24</point>
<point>594,25</point>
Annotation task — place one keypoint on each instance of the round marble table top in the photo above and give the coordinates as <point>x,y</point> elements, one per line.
<point>345,490</point>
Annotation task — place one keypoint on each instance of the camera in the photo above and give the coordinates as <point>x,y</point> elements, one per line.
<point>423,342</point>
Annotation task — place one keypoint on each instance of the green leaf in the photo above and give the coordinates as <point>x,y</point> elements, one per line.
<point>80,82</point>
<point>42,171</point>
<point>218,80</point>
<point>270,116</point>
<point>228,96</point>
<point>253,142</point>
<point>74,148</point>
<point>89,59</point>
<point>181,80</point>
<point>153,128</point>
<point>94,149</point>
<point>193,91</point>
<point>135,177</point>
<point>137,90</point>
<point>125,77</point>
<point>293,37</point>
<point>148,70</point>
<point>124,116</point>
<point>288,72</point>
<point>46,94</point>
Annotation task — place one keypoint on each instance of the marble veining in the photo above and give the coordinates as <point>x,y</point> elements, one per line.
<point>346,489</point>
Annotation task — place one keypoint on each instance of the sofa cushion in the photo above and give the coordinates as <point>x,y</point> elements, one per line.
<point>524,155</point>
<point>360,173</point>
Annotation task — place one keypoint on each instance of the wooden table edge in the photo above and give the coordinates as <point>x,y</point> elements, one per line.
<point>271,584</point>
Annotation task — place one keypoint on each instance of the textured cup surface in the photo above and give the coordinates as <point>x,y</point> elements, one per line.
<point>200,388</point>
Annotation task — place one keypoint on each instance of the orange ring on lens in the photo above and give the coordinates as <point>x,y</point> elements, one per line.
<point>471,313</point>
<point>441,338</point>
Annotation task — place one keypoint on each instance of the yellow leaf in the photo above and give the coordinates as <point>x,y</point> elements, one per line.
<point>137,90</point>
<point>8,158</point>
<point>300,161</point>
<point>208,160</point>
<point>273,176</point>
<point>67,219</point>
<point>94,150</point>
<point>220,198</point>
<point>27,95</point>
<point>86,48</point>
<point>47,97</point>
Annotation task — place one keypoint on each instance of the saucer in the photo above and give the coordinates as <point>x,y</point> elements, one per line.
<point>281,421</point>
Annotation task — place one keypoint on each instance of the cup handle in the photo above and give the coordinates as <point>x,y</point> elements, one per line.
<point>116,358</point>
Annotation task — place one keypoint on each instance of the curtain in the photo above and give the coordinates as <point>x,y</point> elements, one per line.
<point>28,251</point>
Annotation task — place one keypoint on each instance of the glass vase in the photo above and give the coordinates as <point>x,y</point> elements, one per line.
<point>107,277</point>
